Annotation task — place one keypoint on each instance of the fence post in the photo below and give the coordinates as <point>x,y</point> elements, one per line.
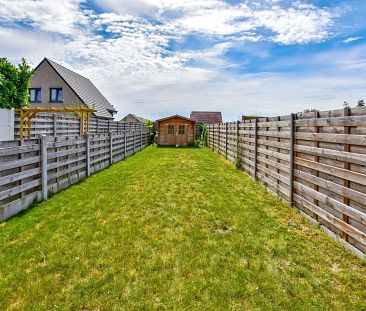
<point>43,158</point>
<point>292,155</point>
<point>237,137</point>
<point>134,142</point>
<point>346,166</point>
<point>218,144</point>
<point>54,125</point>
<point>125,144</point>
<point>226,140</point>
<point>110,148</point>
<point>87,153</point>
<point>255,147</point>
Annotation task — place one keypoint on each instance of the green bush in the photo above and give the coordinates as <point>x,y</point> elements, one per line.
<point>203,134</point>
<point>150,127</point>
<point>14,84</point>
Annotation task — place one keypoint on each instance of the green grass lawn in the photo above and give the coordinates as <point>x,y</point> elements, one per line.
<point>173,229</point>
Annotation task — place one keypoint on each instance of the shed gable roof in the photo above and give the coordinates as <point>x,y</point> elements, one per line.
<point>175,116</point>
<point>85,90</point>
<point>207,117</point>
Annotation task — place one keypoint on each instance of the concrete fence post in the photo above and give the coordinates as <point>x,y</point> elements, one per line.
<point>110,148</point>
<point>125,144</point>
<point>255,147</point>
<point>134,141</point>
<point>54,125</point>
<point>226,129</point>
<point>43,158</point>
<point>141,139</point>
<point>87,153</point>
<point>292,157</point>
<point>238,153</point>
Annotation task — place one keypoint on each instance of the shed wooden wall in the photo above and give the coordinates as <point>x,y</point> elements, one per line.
<point>163,129</point>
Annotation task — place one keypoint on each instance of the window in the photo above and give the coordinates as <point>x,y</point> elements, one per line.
<point>56,95</point>
<point>170,129</point>
<point>182,130</point>
<point>35,95</point>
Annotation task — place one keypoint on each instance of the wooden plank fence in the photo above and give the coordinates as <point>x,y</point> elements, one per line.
<point>315,161</point>
<point>61,124</point>
<point>32,169</point>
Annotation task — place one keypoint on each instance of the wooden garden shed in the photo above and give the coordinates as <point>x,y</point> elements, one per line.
<point>175,131</point>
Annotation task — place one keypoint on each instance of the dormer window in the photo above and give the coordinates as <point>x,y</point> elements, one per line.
<point>35,95</point>
<point>56,95</point>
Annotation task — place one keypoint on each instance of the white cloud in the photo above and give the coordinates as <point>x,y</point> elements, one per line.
<point>126,52</point>
<point>352,39</point>
<point>55,16</point>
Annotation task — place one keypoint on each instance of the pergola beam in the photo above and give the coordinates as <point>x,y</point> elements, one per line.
<point>26,114</point>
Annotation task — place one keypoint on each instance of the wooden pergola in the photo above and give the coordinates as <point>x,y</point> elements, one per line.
<point>26,115</point>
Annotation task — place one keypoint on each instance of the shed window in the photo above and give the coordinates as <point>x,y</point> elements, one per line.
<point>35,95</point>
<point>171,129</point>
<point>182,130</point>
<point>56,95</point>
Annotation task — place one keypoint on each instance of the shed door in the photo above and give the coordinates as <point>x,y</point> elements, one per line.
<point>182,134</point>
<point>170,138</point>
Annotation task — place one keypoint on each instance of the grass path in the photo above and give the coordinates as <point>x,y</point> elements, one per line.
<point>173,229</point>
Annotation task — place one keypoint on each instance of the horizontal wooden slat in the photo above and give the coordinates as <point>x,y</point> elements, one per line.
<point>19,176</point>
<point>17,163</point>
<point>334,121</point>
<point>278,155</point>
<point>350,157</point>
<point>338,206</point>
<point>332,170</point>
<point>18,189</point>
<point>350,139</point>
<point>273,174</point>
<point>18,150</point>
<point>341,225</point>
<point>52,155</point>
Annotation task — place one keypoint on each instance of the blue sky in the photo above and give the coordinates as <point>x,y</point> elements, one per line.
<point>160,57</point>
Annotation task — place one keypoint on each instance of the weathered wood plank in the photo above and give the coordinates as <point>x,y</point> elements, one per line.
<point>332,170</point>
<point>340,224</point>
<point>355,158</point>
<point>337,205</point>
<point>351,139</point>
<point>331,186</point>
<point>334,121</point>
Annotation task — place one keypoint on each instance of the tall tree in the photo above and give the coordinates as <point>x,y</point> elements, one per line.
<point>14,84</point>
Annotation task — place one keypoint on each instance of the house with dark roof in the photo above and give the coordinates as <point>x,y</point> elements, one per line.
<point>132,118</point>
<point>207,117</point>
<point>53,85</point>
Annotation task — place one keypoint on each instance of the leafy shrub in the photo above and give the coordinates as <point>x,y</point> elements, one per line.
<point>14,84</point>
<point>150,127</point>
<point>203,134</point>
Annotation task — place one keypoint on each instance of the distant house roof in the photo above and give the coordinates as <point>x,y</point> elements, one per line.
<point>207,117</point>
<point>137,118</point>
<point>175,116</point>
<point>85,90</point>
